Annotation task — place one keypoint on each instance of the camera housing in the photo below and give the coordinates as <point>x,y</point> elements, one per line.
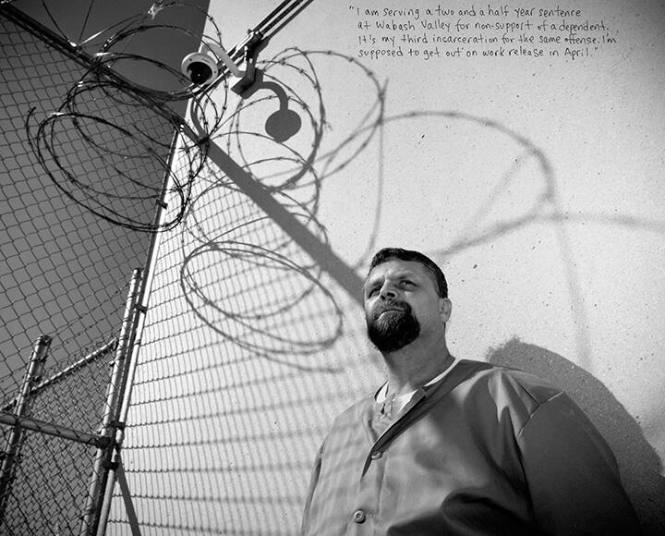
<point>200,68</point>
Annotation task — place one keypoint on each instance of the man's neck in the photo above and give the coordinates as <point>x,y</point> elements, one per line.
<point>414,365</point>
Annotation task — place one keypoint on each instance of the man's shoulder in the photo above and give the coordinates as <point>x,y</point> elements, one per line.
<point>500,381</point>
<point>511,395</point>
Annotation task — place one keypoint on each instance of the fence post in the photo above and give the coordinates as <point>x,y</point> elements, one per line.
<point>114,393</point>
<point>13,445</point>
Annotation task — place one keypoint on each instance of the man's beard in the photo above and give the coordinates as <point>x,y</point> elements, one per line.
<point>394,329</point>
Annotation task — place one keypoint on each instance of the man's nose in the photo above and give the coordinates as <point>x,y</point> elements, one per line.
<point>388,290</point>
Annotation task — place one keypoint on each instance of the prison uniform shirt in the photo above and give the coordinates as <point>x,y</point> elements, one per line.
<point>485,451</point>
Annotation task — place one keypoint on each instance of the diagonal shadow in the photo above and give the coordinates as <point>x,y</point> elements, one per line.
<point>321,252</point>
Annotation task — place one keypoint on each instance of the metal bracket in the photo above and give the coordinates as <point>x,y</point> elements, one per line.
<point>250,48</point>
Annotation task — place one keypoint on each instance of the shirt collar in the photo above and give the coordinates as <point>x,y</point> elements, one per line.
<point>380,395</point>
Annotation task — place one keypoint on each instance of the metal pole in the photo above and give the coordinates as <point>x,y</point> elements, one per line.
<point>110,423</point>
<point>13,446</point>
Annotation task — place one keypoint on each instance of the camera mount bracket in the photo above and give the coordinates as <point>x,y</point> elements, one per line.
<point>250,48</point>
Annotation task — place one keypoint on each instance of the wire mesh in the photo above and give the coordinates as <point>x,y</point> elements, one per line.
<point>64,270</point>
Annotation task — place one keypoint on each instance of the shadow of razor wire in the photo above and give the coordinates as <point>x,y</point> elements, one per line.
<point>320,252</point>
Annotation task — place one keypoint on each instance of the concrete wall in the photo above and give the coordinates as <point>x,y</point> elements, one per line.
<point>531,170</point>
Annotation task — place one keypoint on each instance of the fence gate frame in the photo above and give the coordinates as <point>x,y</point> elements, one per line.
<point>109,438</point>
<point>107,466</point>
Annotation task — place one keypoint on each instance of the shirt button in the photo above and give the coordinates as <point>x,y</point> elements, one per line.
<point>359,516</point>
<point>376,454</point>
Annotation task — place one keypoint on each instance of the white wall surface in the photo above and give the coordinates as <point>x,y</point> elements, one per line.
<point>536,182</point>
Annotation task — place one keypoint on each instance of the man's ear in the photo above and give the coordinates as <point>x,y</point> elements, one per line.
<point>445,309</point>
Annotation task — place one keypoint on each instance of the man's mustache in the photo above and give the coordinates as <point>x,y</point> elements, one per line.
<point>391,306</point>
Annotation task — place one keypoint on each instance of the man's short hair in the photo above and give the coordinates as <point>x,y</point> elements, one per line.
<point>386,254</point>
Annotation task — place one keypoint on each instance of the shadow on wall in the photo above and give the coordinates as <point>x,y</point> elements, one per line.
<point>639,464</point>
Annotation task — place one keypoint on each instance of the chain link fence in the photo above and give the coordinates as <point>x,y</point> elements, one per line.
<point>70,205</point>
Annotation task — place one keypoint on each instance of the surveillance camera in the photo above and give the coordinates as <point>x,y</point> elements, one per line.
<point>200,68</point>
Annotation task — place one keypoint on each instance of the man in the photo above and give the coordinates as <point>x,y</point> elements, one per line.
<point>456,447</point>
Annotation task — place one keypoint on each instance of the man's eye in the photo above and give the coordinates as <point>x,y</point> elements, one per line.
<point>407,284</point>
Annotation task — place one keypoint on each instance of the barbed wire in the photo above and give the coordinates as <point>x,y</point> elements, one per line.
<point>126,196</point>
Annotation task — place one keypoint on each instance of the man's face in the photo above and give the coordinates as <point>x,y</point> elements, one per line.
<point>401,304</point>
